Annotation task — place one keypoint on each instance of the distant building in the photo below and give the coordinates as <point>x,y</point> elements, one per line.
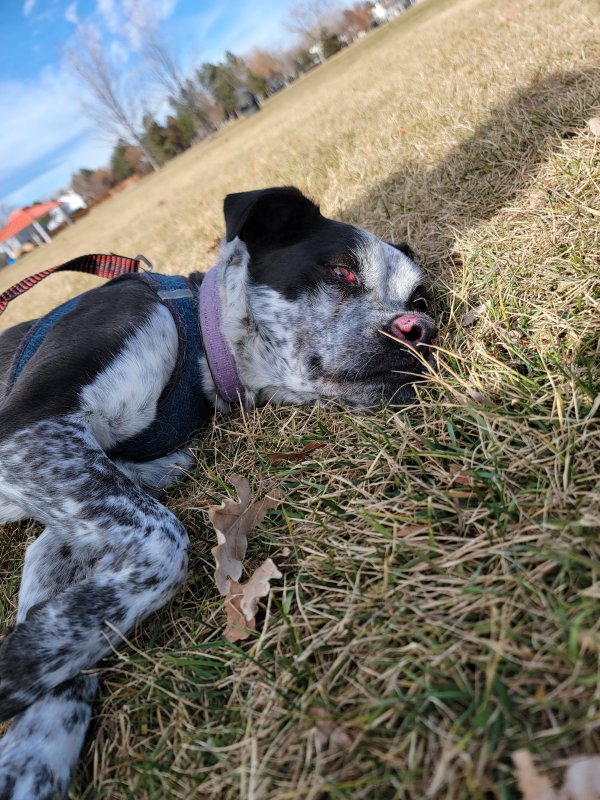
<point>317,54</point>
<point>27,226</point>
<point>31,226</point>
<point>381,13</point>
<point>72,201</point>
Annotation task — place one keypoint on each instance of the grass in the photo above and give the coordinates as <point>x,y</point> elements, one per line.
<point>440,599</point>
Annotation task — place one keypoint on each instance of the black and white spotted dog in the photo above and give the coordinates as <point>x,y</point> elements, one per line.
<point>302,309</point>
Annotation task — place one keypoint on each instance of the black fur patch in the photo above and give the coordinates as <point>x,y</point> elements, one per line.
<point>76,349</point>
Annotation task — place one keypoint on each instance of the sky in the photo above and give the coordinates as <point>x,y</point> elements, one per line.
<point>44,135</point>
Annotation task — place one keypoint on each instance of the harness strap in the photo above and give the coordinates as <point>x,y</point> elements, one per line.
<point>182,409</point>
<point>100,264</point>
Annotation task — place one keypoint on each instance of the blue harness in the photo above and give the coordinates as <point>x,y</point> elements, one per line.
<point>182,409</point>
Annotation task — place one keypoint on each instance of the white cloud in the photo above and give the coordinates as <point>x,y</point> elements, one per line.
<point>110,14</point>
<point>88,154</point>
<point>243,31</point>
<point>131,18</point>
<point>119,53</point>
<point>141,15</point>
<point>28,7</point>
<point>44,118</point>
<point>71,14</point>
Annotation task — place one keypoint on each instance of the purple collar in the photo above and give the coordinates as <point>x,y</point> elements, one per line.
<point>220,358</point>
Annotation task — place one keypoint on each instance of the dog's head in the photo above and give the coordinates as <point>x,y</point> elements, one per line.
<point>316,309</point>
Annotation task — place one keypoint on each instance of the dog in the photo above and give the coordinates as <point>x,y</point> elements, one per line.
<point>100,402</point>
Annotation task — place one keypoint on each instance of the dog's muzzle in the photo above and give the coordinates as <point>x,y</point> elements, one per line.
<point>414,329</point>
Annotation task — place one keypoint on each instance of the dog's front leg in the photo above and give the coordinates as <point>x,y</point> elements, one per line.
<point>111,555</point>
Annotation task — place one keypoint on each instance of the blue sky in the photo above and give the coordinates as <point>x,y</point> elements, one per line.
<point>44,135</point>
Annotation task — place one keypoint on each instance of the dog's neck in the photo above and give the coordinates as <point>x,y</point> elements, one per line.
<point>219,355</point>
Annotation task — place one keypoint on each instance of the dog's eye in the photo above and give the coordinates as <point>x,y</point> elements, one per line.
<point>419,300</point>
<point>346,275</point>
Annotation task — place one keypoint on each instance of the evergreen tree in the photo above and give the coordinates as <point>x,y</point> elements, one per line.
<point>331,44</point>
<point>256,84</point>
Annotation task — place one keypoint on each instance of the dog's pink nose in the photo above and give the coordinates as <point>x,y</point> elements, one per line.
<point>414,328</point>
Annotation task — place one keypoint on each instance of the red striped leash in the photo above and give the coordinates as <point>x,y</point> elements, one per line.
<point>101,264</point>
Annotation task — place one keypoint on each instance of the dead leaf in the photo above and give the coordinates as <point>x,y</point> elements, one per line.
<point>462,480</point>
<point>258,586</point>
<point>238,627</point>
<point>215,244</point>
<point>233,521</point>
<point>594,125</point>
<point>241,603</point>
<point>297,455</point>
<point>516,336</point>
<point>471,315</point>
<point>328,735</point>
<point>409,530</point>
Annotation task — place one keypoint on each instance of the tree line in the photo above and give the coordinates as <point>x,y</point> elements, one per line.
<point>195,105</point>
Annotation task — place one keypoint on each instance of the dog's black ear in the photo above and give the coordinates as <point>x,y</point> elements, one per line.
<point>268,217</point>
<point>405,248</point>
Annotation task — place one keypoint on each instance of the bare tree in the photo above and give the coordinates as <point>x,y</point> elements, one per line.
<point>169,75</point>
<point>289,64</point>
<point>353,21</point>
<point>91,184</point>
<point>308,19</point>
<point>264,64</point>
<point>114,105</point>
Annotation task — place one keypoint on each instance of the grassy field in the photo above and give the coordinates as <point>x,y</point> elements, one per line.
<point>440,601</point>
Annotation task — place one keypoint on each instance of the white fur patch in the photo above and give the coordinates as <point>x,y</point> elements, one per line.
<point>387,272</point>
<point>121,401</point>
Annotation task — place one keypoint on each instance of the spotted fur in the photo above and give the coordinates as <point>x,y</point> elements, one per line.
<point>111,553</point>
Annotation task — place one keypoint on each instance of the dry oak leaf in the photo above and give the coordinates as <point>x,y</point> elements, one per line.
<point>257,586</point>
<point>233,521</point>
<point>242,599</point>
<point>238,627</point>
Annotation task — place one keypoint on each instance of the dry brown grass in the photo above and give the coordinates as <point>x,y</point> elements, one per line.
<point>440,599</point>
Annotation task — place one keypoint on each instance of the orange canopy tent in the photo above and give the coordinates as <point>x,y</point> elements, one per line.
<point>24,217</point>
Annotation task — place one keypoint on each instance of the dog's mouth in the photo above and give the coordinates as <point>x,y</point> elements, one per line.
<point>382,371</point>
